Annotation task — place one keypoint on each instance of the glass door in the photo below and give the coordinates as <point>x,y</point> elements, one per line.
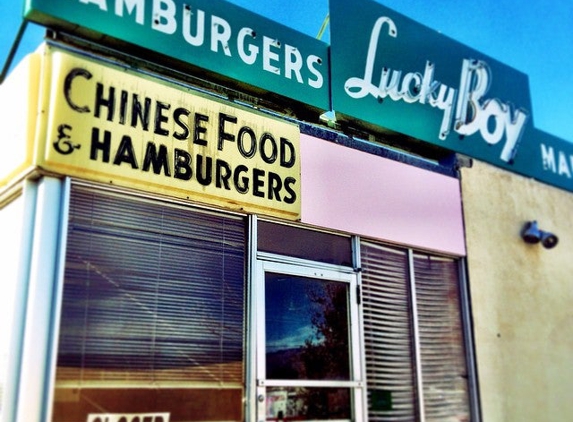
<point>308,360</point>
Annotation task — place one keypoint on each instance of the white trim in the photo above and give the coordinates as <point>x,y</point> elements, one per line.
<point>14,365</point>
<point>299,267</point>
<point>416,332</point>
<point>268,256</point>
<point>467,329</point>
<point>305,268</point>
<point>310,383</point>
<point>52,358</point>
<point>359,350</point>
<point>32,396</point>
<point>258,300</point>
<point>251,322</point>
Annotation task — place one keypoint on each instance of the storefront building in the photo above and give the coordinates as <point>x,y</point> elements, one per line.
<point>186,240</point>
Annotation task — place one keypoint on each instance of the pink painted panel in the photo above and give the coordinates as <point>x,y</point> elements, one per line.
<point>360,193</point>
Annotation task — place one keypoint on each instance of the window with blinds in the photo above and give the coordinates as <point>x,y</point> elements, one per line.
<point>388,339</point>
<point>153,311</point>
<point>443,362</point>
<point>414,345</point>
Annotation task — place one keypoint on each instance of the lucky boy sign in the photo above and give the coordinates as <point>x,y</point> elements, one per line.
<point>390,71</point>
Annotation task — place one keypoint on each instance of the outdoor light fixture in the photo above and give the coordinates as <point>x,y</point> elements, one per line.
<point>531,234</point>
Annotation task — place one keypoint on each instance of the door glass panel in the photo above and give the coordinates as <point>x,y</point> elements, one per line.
<point>307,328</point>
<point>303,403</point>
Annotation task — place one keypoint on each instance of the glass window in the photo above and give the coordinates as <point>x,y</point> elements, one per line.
<point>152,318</point>
<point>306,328</point>
<point>304,403</point>
<point>443,357</point>
<point>388,340</point>
<point>415,357</point>
<point>303,243</point>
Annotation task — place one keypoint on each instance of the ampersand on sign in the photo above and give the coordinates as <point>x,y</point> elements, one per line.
<point>63,144</point>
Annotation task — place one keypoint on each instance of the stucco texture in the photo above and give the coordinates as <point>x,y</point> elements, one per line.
<point>521,295</point>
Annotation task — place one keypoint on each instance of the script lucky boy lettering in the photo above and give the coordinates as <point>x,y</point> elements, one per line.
<point>466,110</point>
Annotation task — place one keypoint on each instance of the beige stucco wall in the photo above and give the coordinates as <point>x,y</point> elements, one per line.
<point>522,296</point>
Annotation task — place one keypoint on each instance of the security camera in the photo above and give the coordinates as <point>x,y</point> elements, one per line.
<point>530,233</point>
<point>549,240</point>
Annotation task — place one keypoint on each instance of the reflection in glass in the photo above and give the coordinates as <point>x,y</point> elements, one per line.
<point>303,243</point>
<point>301,403</point>
<point>306,328</point>
<point>152,312</point>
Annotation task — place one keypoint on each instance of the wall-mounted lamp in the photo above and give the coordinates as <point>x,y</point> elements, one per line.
<point>531,234</point>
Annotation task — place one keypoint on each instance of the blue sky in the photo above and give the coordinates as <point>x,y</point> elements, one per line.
<point>534,37</point>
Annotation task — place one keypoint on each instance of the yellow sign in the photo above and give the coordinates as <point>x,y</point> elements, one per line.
<point>111,125</point>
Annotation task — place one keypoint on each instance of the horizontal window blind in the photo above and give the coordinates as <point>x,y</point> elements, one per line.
<point>153,293</point>
<point>387,331</point>
<point>444,369</point>
<point>391,364</point>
